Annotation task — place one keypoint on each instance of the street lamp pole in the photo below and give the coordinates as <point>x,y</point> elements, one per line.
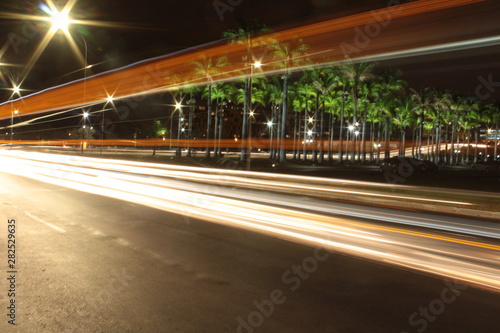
<point>12,126</point>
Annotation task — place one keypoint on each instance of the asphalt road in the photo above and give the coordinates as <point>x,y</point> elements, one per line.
<point>87,263</point>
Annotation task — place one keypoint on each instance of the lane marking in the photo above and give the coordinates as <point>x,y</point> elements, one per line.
<point>48,224</point>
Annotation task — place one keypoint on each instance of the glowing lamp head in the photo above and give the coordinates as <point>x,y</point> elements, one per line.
<point>60,20</point>
<point>178,105</point>
<point>257,64</point>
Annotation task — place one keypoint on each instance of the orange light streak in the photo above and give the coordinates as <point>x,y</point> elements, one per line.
<point>150,76</point>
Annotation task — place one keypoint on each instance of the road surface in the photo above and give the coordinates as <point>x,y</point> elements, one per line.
<point>89,263</point>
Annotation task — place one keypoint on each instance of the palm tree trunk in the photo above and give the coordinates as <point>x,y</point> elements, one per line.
<point>221,124</point>
<point>216,128</point>
<point>379,128</point>
<point>372,140</point>
<point>304,157</point>
<point>452,142</point>
<point>296,135</point>
<point>244,127</point>
<point>283,119</point>
<point>468,146</point>
<point>209,121</point>
<point>190,126</point>
<point>314,135</point>
<point>363,143</point>
<point>476,132</point>
<point>403,135</point>
<point>445,156</point>
<point>496,143</point>
<point>330,139</point>
<point>321,127</point>
<point>387,137</point>
<point>341,130</point>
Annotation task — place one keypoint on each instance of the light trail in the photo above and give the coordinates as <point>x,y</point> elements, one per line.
<point>237,200</point>
<point>326,40</point>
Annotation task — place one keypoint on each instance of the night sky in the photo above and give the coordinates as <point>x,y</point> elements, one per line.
<point>151,28</point>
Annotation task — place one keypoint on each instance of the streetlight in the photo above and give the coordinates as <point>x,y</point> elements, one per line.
<point>270,126</point>
<point>11,125</point>
<point>247,126</point>
<point>178,106</point>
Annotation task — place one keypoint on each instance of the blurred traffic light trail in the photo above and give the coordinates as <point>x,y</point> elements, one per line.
<point>448,246</point>
<point>328,41</point>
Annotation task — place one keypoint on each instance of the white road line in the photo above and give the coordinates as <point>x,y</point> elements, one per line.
<point>48,224</point>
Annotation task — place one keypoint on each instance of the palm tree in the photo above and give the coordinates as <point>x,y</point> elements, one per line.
<point>457,109</point>
<point>423,100</point>
<point>325,81</point>
<point>355,74</point>
<point>306,92</point>
<point>286,56</point>
<point>221,94</point>
<point>403,118</point>
<point>273,97</point>
<point>209,68</point>
<point>191,91</point>
<point>388,86</point>
<point>333,105</point>
<point>246,35</point>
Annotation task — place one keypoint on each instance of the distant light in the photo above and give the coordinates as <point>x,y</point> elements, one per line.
<point>85,115</point>
<point>257,64</point>
<point>351,127</point>
<point>251,113</point>
<point>89,66</point>
<point>16,89</point>
<point>178,105</point>
<point>311,120</point>
<point>16,111</point>
<point>110,99</point>
<point>309,132</point>
<point>183,130</point>
<point>269,123</point>
<point>182,119</point>
<point>357,132</point>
